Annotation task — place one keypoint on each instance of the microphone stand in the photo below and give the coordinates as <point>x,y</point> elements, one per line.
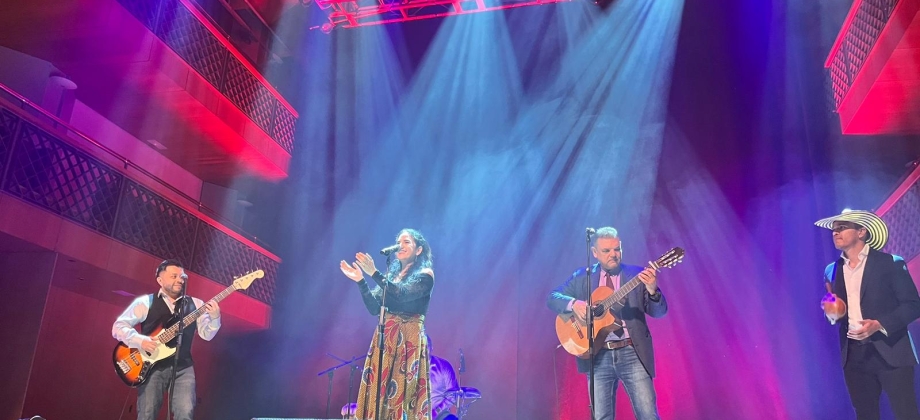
<point>329,394</point>
<point>351,377</point>
<point>383,310</point>
<point>180,303</point>
<point>331,372</point>
<point>460,373</point>
<point>590,321</point>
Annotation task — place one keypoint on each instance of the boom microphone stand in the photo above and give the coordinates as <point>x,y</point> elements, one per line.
<point>351,377</point>
<point>331,373</point>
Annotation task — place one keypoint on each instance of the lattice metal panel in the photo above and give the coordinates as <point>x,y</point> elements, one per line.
<point>264,288</point>
<point>249,94</point>
<point>284,128</point>
<point>188,37</point>
<point>858,42</point>
<point>219,256</point>
<point>64,180</point>
<point>830,97</point>
<point>8,124</point>
<point>144,10</point>
<point>903,221</point>
<point>178,28</point>
<point>840,80</point>
<point>47,171</point>
<point>155,225</point>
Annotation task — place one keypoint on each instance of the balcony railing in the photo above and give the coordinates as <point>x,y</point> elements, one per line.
<point>39,166</point>
<point>190,34</point>
<point>244,26</point>
<point>901,211</point>
<point>860,31</point>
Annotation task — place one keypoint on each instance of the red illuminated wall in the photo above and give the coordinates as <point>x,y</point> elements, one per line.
<point>59,362</point>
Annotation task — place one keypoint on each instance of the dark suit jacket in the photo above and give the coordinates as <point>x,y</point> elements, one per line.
<point>636,306</point>
<point>888,295</point>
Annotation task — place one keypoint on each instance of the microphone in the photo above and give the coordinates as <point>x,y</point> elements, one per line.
<point>389,250</point>
<point>462,361</point>
<point>590,231</point>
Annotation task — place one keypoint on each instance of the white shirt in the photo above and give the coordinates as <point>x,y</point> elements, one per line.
<point>852,279</point>
<point>123,330</point>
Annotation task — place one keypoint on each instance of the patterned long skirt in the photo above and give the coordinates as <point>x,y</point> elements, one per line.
<point>404,386</point>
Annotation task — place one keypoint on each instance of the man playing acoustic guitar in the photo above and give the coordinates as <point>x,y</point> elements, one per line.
<point>152,311</point>
<point>624,354</point>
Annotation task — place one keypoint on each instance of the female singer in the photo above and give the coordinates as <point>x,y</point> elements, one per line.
<point>406,365</point>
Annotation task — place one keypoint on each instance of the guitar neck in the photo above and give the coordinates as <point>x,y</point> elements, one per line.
<point>622,291</point>
<point>171,332</point>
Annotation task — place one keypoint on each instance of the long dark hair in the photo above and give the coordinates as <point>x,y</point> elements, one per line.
<point>422,261</point>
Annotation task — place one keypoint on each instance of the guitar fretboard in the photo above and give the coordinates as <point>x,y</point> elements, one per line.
<point>624,290</point>
<point>171,332</point>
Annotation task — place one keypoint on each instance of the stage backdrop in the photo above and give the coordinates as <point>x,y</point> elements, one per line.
<point>503,136</point>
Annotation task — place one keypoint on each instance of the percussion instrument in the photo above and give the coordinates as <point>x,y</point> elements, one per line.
<point>462,397</point>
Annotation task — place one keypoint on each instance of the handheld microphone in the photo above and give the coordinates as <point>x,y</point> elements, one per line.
<point>590,231</point>
<point>389,250</point>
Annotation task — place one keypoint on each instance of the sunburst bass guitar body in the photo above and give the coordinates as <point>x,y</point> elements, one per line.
<point>134,365</point>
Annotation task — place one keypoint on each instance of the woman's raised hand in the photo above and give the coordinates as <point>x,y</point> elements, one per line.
<point>351,271</point>
<point>366,263</point>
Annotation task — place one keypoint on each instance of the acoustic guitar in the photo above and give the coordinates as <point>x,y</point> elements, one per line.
<point>572,328</point>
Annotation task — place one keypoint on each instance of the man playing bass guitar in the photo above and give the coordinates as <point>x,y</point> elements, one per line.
<point>151,312</point>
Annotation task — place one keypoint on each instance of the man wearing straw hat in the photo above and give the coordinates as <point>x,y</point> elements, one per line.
<point>879,300</point>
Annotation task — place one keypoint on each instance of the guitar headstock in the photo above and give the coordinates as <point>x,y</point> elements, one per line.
<point>243,282</point>
<point>670,258</point>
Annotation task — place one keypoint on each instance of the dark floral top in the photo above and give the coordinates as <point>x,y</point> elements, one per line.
<point>408,296</point>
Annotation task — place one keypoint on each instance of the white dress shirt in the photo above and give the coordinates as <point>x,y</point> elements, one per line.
<point>123,330</point>
<point>852,279</point>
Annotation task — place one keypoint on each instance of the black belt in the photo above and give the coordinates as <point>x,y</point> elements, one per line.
<point>618,344</point>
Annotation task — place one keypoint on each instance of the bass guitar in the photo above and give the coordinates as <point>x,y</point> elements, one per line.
<point>133,365</point>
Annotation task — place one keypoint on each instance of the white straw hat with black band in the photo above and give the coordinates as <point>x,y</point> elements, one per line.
<point>878,230</point>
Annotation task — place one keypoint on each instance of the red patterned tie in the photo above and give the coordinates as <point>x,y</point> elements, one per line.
<point>608,281</point>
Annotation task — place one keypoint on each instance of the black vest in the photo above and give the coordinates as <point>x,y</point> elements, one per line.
<point>158,314</point>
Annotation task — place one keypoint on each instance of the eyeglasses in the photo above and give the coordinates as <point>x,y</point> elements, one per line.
<point>841,228</point>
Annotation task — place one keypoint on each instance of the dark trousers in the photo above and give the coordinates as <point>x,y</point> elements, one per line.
<point>867,375</point>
